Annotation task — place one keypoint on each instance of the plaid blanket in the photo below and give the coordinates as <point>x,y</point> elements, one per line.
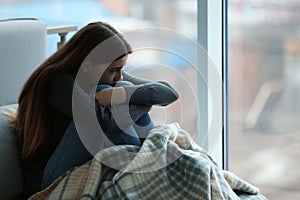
<point>169,165</point>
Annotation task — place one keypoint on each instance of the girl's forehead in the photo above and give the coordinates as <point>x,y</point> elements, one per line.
<point>122,61</point>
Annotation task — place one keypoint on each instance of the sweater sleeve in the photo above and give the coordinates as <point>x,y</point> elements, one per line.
<point>153,93</point>
<point>61,94</point>
<point>134,79</point>
<point>149,92</point>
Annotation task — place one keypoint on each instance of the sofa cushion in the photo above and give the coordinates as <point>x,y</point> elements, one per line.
<point>10,168</point>
<point>23,49</point>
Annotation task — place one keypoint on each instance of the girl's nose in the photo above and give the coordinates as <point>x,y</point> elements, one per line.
<point>118,76</point>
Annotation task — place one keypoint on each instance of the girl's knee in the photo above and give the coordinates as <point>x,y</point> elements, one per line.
<point>101,87</point>
<point>123,83</point>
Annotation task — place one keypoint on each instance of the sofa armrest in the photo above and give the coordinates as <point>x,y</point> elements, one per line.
<point>11,178</point>
<point>23,49</point>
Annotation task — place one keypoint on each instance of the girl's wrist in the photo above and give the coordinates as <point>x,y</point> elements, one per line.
<point>111,96</point>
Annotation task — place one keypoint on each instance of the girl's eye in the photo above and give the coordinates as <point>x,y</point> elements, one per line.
<point>116,70</point>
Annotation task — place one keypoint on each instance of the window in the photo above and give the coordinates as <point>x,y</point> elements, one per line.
<point>264,109</point>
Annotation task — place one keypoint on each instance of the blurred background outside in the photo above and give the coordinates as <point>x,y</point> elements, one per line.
<point>264,94</point>
<point>263,73</point>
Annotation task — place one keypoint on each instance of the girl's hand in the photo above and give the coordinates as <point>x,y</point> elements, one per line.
<point>111,96</point>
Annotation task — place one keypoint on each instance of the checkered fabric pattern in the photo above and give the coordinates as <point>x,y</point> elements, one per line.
<point>169,165</point>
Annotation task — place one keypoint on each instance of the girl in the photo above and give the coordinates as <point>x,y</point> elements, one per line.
<point>58,93</point>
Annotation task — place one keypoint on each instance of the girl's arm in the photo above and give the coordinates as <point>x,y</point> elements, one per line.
<point>145,92</point>
<point>152,93</point>
<point>138,80</point>
<point>134,79</point>
<point>60,95</point>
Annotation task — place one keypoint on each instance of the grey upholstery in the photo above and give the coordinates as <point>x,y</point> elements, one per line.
<point>10,169</point>
<point>22,49</point>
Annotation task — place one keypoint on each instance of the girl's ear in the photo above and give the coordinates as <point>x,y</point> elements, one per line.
<point>87,66</point>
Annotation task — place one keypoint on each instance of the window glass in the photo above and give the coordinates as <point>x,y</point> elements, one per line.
<point>264,94</point>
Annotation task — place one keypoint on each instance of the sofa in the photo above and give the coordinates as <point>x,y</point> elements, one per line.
<point>10,169</point>
<point>23,47</point>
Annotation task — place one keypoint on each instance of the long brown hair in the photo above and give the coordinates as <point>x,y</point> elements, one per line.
<point>30,118</point>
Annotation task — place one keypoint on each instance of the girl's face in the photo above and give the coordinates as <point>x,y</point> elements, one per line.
<point>113,72</point>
